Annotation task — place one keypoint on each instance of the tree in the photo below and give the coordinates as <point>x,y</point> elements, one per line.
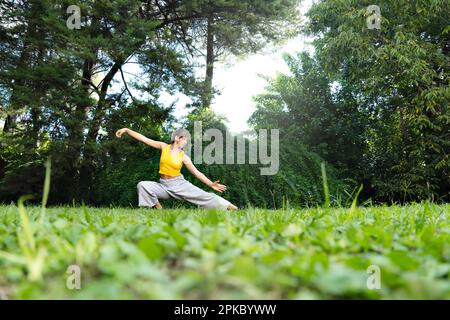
<point>329,122</point>
<point>401,71</point>
<point>60,81</point>
<point>239,27</point>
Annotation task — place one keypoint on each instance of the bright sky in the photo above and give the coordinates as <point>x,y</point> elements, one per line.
<point>239,83</point>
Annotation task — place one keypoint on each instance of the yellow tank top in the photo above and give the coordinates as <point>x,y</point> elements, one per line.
<point>170,165</point>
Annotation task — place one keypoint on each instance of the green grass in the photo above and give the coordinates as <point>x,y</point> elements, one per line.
<point>319,253</point>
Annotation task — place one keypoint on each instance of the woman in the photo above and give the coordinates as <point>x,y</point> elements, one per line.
<point>172,182</point>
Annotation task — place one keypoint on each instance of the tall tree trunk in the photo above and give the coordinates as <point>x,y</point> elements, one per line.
<point>36,107</point>
<point>10,123</point>
<point>78,122</point>
<point>100,109</point>
<point>207,95</point>
<point>89,147</point>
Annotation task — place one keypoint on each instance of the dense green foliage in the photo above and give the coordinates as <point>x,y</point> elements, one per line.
<point>398,78</point>
<point>253,254</point>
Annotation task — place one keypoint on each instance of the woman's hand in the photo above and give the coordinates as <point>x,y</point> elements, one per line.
<point>218,187</point>
<point>120,132</point>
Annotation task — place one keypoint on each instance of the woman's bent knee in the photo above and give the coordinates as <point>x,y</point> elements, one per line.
<point>146,186</point>
<point>139,185</point>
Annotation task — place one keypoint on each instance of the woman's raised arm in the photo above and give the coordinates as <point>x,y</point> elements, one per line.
<point>140,137</point>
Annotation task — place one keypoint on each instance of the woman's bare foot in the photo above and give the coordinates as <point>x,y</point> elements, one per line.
<point>157,206</point>
<point>232,207</point>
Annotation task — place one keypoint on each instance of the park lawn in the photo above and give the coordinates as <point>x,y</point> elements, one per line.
<point>313,253</point>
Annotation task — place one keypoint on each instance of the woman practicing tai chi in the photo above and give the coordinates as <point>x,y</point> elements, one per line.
<point>172,182</point>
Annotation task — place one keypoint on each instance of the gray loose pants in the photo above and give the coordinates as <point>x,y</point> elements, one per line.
<point>150,192</point>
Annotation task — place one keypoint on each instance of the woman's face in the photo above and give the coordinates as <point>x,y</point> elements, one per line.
<point>182,141</point>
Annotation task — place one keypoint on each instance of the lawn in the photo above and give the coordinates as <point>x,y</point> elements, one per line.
<point>314,253</point>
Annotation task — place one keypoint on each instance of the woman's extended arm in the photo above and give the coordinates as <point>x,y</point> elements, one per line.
<point>200,176</point>
<point>140,137</point>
